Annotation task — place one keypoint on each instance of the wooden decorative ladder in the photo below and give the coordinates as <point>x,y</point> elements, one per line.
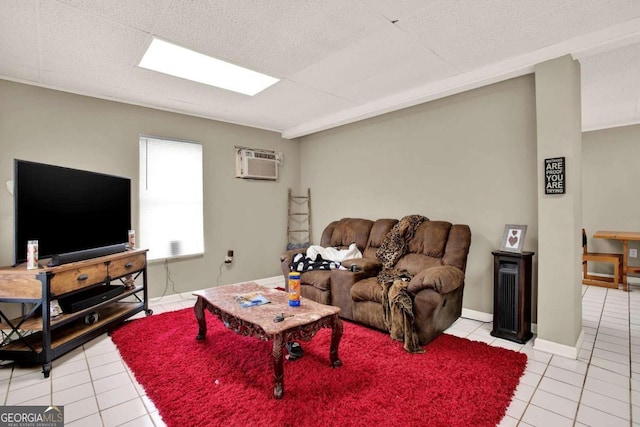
<point>299,221</point>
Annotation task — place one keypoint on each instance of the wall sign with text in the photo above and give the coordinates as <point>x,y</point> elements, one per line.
<point>554,176</point>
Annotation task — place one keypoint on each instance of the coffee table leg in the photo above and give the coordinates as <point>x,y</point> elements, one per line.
<point>277,356</point>
<point>336,335</point>
<point>202,323</point>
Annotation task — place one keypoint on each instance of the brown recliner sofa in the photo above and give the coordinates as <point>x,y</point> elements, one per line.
<point>365,233</point>
<point>436,259</point>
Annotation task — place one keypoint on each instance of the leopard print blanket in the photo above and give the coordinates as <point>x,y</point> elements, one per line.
<point>396,242</point>
<point>397,301</point>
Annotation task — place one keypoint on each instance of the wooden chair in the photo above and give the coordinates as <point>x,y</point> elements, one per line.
<point>615,259</point>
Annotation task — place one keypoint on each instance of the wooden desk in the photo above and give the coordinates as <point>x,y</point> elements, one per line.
<point>625,236</point>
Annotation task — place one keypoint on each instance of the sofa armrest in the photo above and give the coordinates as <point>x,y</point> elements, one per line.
<point>369,265</point>
<point>287,257</point>
<point>341,283</point>
<point>443,279</point>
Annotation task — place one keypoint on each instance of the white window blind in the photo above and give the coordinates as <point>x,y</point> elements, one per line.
<point>171,208</point>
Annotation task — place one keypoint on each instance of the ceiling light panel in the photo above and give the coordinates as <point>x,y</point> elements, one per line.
<point>178,61</point>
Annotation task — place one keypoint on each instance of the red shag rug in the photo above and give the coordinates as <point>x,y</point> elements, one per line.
<point>227,379</point>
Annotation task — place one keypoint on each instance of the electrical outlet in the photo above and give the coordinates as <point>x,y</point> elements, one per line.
<point>633,253</point>
<point>229,258</point>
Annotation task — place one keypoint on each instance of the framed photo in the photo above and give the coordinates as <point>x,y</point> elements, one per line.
<point>513,238</point>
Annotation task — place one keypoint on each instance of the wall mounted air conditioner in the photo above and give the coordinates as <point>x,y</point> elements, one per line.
<point>256,164</point>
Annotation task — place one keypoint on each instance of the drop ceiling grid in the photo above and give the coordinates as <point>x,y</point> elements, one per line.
<point>86,46</point>
<point>449,25</point>
<point>151,83</point>
<point>403,77</point>
<point>308,33</point>
<point>218,28</point>
<point>138,14</point>
<point>291,102</point>
<point>399,9</point>
<point>522,28</point>
<point>378,54</point>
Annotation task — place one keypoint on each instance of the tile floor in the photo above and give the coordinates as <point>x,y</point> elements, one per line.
<point>600,388</point>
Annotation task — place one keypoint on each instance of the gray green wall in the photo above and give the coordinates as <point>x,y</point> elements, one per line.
<point>558,111</point>
<point>87,133</point>
<point>468,158</point>
<point>610,179</point>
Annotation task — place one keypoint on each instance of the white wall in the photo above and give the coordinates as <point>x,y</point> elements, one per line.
<point>86,133</point>
<point>469,158</point>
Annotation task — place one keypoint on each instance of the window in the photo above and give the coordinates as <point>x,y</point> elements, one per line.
<point>171,208</point>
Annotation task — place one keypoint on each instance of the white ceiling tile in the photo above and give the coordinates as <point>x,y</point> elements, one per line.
<point>536,32</point>
<point>387,61</point>
<point>152,100</point>
<point>74,80</point>
<point>15,71</point>
<point>140,14</point>
<point>612,66</point>
<point>150,83</point>
<point>401,78</point>
<point>290,102</point>
<point>449,24</point>
<point>399,9</point>
<point>219,28</point>
<point>19,35</point>
<point>80,43</point>
<point>611,87</point>
<point>308,33</point>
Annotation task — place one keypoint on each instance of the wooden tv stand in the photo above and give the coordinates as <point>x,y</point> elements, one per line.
<point>35,337</point>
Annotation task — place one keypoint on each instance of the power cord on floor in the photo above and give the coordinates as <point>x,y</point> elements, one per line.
<point>167,273</point>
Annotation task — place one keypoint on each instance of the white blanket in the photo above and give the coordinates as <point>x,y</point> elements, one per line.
<point>334,254</point>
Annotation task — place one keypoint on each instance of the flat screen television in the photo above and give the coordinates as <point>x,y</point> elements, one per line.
<point>68,210</point>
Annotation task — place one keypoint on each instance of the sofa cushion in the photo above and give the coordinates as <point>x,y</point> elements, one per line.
<point>320,279</point>
<point>378,232</point>
<point>351,230</point>
<point>458,246</point>
<point>325,240</point>
<point>430,238</point>
<point>367,290</point>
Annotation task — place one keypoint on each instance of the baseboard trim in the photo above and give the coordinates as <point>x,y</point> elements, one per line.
<point>477,315</point>
<point>271,282</point>
<point>559,349</point>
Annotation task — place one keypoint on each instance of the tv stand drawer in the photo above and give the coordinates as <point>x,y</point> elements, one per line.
<point>128,265</point>
<point>78,278</point>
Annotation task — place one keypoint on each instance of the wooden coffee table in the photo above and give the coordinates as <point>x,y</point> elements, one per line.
<point>258,321</point>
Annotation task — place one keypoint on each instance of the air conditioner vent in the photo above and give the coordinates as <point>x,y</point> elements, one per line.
<point>256,164</point>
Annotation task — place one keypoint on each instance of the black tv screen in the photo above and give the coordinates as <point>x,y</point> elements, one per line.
<point>68,210</point>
